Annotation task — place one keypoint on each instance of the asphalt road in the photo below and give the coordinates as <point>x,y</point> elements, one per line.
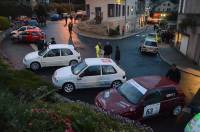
<point>132,62</point>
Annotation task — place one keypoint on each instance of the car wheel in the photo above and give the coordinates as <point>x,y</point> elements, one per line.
<point>68,87</point>
<point>73,62</point>
<point>116,84</point>
<point>35,66</point>
<point>177,110</point>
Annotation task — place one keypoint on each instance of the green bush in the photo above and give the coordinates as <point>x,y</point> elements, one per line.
<point>22,108</point>
<point>4,23</point>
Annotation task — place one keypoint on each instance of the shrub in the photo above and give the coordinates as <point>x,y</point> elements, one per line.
<point>4,23</point>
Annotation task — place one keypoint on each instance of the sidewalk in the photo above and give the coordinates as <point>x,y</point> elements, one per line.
<point>172,56</point>
<point>90,35</point>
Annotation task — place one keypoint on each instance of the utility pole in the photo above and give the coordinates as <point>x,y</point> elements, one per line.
<point>70,8</point>
<point>125,13</point>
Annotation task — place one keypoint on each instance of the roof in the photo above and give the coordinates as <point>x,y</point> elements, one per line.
<point>59,46</point>
<point>99,61</point>
<point>151,82</point>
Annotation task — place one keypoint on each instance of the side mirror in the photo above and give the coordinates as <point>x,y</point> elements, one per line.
<point>81,75</point>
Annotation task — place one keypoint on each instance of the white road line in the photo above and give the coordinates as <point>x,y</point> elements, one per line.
<point>33,46</point>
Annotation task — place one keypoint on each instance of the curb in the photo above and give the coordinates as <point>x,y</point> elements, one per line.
<point>77,31</point>
<point>179,67</point>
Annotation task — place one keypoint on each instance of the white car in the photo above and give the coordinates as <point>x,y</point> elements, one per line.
<point>149,45</point>
<point>90,73</point>
<point>21,29</point>
<point>54,55</point>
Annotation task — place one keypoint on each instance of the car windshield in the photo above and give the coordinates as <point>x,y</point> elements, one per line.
<point>130,92</point>
<point>42,52</point>
<point>76,69</point>
<point>152,35</point>
<point>151,43</point>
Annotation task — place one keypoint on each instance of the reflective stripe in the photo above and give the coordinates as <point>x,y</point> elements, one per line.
<point>138,86</point>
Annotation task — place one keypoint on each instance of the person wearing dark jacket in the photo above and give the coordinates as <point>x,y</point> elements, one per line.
<point>107,50</point>
<point>174,74</point>
<point>117,55</point>
<point>41,45</point>
<point>53,41</point>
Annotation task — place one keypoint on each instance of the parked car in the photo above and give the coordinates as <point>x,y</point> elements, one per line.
<point>142,97</point>
<point>149,46</point>
<point>33,23</point>
<point>23,28</point>
<point>55,17</point>
<point>194,124</point>
<point>54,55</point>
<point>90,73</point>
<point>30,36</point>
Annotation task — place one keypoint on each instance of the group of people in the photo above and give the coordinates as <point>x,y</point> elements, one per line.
<point>167,37</point>
<point>106,51</point>
<point>42,44</point>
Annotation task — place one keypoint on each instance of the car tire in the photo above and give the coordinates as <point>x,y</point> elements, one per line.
<point>35,66</point>
<point>116,84</point>
<point>73,62</point>
<point>177,110</point>
<point>68,88</point>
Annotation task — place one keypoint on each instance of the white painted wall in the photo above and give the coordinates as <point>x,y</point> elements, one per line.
<point>184,44</point>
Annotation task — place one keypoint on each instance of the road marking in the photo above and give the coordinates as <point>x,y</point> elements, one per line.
<point>34,47</point>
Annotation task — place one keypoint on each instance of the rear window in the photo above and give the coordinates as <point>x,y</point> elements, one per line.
<point>151,43</point>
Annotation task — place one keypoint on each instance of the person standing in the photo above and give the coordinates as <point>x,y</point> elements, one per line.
<point>117,55</point>
<point>70,28</point>
<point>174,74</point>
<point>97,48</point>
<point>53,41</point>
<point>101,51</point>
<point>107,50</point>
<point>71,18</point>
<point>66,18</point>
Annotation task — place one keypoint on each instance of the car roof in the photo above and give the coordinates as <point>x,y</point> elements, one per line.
<point>150,39</point>
<point>155,82</point>
<point>99,61</point>
<point>60,46</point>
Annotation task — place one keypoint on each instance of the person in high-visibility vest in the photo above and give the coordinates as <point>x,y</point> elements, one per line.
<point>97,47</point>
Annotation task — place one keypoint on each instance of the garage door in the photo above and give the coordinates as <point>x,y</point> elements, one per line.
<point>184,44</point>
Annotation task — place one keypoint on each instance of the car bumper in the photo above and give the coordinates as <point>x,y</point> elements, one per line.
<point>55,83</point>
<point>26,65</point>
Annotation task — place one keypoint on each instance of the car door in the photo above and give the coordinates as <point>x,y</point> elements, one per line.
<point>151,104</point>
<point>34,37</point>
<point>66,56</point>
<point>52,58</point>
<point>90,77</point>
<point>108,74</point>
<point>169,100</point>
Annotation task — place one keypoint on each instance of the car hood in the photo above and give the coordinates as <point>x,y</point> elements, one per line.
<point>32,55</point>
<point>14,32</point>
<point>111,100</point>
<point>63,72</point>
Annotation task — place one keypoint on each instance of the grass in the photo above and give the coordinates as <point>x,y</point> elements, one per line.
<point>23,109</point>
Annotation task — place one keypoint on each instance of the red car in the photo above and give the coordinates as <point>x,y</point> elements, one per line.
<point>142,97</point>
<point>31,36</point>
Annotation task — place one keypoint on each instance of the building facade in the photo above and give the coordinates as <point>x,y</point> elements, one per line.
<point>188,29</point>
<point>114,13</point>
<point>166,6</point>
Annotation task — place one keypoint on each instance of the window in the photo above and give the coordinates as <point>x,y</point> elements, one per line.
<point>92,71</point>
<point>128,11</point>
<point>168,9</point>
<point>108,70</point>
<point>168,4</point>
<point>22,29</point>
<point>168,93</point>
<point>123,10</point>
<point>111,10</point>
<point>116,10</point>
<point>153,97</point>
<point>164,4</point>
<point>151,43</point>
<point>66,52</point>
<point>53,53</point>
